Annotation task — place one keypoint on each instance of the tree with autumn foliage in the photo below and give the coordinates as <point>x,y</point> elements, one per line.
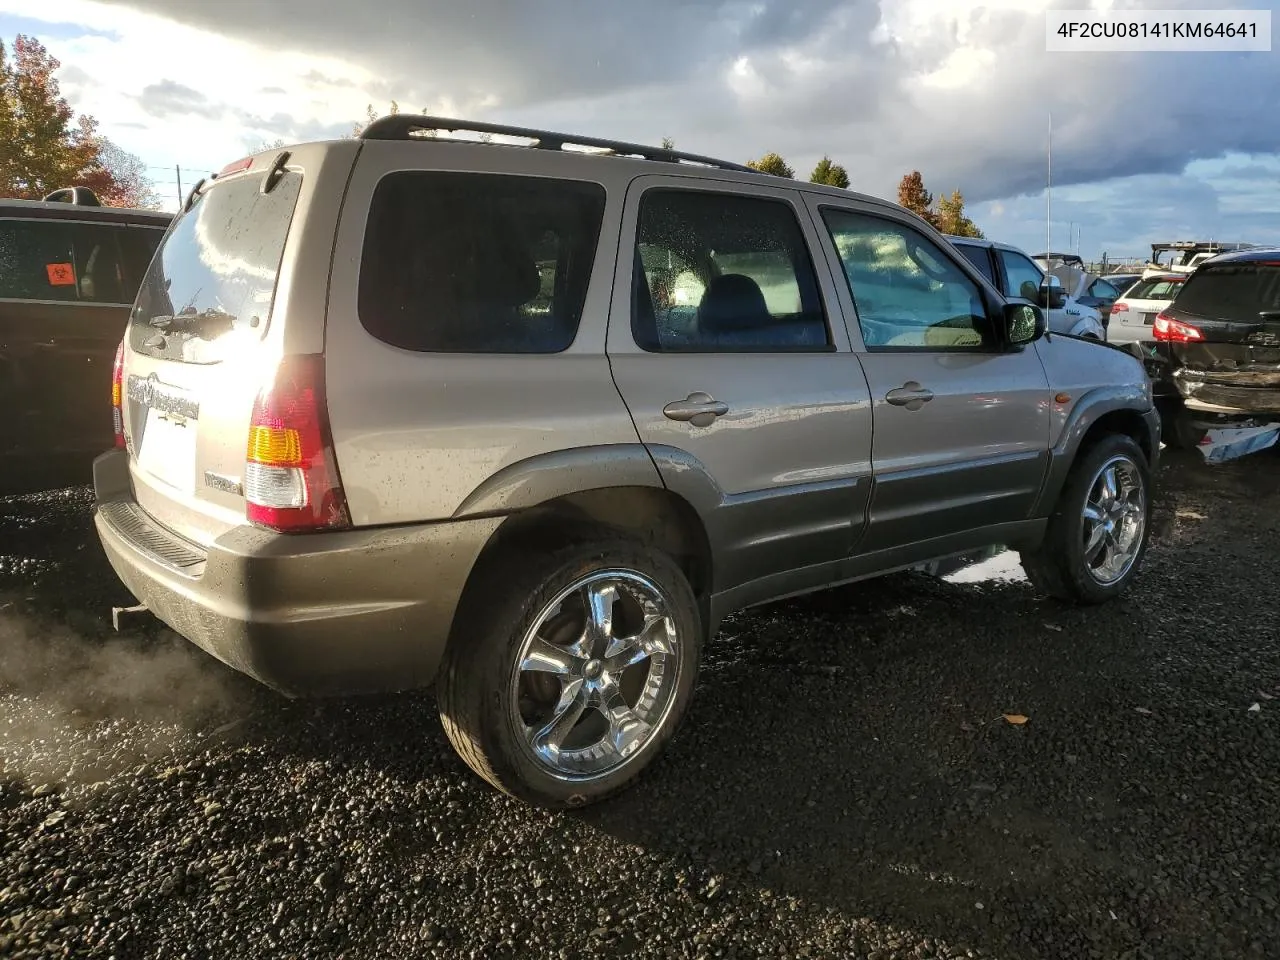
<point>830,174</point>
<point>951,218</point>
<point>947,217</point>
<point>913,196</point>
<point>43,144</point>
<point>772,163</point>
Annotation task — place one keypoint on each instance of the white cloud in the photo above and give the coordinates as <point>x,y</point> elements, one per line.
<point>958,89</point>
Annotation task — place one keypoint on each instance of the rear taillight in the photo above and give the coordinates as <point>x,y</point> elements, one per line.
<point>1120,307</point>
<point>291,481</point>
<point>1174,331</point>
<point>117,395</point>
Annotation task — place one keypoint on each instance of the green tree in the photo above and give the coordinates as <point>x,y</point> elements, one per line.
<point>772,163</point>
<point>831,174</point>
<point>951,218</point>
<point>668,143</point>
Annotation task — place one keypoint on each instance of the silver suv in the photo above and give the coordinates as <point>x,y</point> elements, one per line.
<point>527,415</point>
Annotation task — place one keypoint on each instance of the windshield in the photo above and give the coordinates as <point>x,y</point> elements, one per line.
<point>210,288</point>
<point>1234,292</point>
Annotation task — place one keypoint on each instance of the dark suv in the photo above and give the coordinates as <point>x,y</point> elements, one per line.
<point>69,270</point>
<point>1217,349</point>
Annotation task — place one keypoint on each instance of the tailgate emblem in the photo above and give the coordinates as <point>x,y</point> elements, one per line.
<point>150,392</point>
<point>224,483</point>
<point>1264,338</point>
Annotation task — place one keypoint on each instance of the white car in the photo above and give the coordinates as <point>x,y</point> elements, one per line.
<point>1016,275</point>
<point>1133,315</point>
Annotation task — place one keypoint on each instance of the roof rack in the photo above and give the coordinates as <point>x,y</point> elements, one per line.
<point>401,126</point>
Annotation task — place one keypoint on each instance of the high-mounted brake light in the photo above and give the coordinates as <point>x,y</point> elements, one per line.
<point>291,481</point>
<point>236,167</point>
<point>1120,307</point>
<point>117,396</point>
<point>1174,331</point>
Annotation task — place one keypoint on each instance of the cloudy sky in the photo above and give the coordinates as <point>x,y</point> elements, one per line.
<point>1146,146</point>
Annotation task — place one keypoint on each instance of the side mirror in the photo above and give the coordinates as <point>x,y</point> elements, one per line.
<point>1023,323</point>
<point>1052,295</point>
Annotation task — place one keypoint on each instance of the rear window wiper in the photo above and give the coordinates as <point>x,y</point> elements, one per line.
<point>212,316</point>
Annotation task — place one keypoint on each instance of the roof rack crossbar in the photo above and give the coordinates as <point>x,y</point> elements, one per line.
<point>399,126</point>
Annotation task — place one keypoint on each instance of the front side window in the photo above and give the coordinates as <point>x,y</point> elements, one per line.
<point>1103,290</point>
<point>65,261</point>
<point>1022,277</point>
<point>907,292</point>
<point>478,263</point>
<point>723,272</point>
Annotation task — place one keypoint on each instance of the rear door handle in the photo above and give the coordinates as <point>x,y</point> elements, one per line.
<point>910,395</point>
<point>698,409</point>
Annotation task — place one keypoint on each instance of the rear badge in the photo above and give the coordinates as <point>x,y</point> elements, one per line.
<point>226,484</point>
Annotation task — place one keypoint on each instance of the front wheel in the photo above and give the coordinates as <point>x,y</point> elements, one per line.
<point>1098,533</point>
<point>571,671</point>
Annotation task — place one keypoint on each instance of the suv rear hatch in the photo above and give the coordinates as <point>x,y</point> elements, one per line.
<point>209,330</point>
<point>1222,336</point>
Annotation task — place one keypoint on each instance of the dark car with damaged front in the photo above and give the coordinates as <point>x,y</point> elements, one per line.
<point>1217,345</point>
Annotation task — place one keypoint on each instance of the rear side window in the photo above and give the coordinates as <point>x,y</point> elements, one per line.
<point>724,273</point>
<point>478,263</point>
<point>65,261</point>
<point>979,257</point>
<point>210,288</point>
<point>1234,292</point>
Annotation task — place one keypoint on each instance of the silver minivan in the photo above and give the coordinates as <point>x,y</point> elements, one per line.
<point>526,414</point>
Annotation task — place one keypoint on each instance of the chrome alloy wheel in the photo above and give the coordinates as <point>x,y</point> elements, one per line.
<point>596,675</point>
<point>1115,519</point>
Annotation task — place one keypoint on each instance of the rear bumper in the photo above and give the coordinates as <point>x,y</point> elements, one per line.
<point>1207,378</point>
<point>318,614</point>
<point>1199,394</point>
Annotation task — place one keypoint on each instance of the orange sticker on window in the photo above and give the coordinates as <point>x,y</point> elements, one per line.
<point>61,274</point>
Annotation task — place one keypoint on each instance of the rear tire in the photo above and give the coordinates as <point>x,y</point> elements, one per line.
<point>568,673</point>
<point>1096,520</point>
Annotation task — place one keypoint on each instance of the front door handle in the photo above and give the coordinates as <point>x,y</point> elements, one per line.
<point>910,395</point>
<point>698,409</point>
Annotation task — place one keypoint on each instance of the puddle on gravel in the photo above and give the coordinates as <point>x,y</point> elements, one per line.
<point>1004,567</point>
<point>76,709</point>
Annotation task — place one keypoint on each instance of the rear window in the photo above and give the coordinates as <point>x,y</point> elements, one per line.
<point>210,289</point>
<point>67,261</point>
<point>1234,292</point>
<point>478,263</point>
<point>1154,289</point>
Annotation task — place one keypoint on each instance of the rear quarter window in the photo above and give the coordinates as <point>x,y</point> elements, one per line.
<point>68,261</point>
<point>478,263</point>
<point>979,257</point>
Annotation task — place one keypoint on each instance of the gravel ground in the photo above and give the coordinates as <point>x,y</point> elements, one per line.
<point>847,785</point>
